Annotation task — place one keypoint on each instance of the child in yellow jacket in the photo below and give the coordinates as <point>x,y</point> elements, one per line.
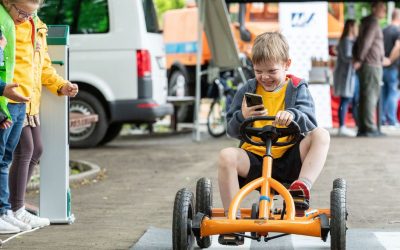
<point>32,70</point>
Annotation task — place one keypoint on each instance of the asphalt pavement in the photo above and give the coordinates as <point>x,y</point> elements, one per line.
<point>134,198</point>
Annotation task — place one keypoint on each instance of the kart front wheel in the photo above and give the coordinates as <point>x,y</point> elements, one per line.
<point>182,235</point>
<point>338,219</point>
<point>340,183</point>
<point>204,202</point>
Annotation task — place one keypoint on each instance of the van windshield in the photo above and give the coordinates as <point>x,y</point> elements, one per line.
<point>150,16</point>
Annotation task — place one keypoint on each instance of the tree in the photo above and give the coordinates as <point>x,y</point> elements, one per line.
<point>164,5</point>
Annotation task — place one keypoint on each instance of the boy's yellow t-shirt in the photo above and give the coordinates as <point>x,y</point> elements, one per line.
<point>273,102</point>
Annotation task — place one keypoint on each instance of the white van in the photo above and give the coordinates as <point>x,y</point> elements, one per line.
<point>117,58</point>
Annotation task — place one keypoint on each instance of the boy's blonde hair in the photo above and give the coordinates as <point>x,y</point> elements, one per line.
<point>270,47</point>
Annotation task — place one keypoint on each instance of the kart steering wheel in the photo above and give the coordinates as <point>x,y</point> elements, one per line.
<point>269,131</point>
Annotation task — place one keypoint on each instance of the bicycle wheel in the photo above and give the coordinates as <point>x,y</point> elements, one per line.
<point>216,119</point>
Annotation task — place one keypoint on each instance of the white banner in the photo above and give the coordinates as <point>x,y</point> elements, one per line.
<point>305,25</point>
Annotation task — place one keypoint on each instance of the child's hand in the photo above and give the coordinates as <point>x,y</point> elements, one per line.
<point>11,93</point>
<point>283,118</point>
<point>252,111</point>
<point>6,124</point>
<point>3,42</point>
<point>69,89</point>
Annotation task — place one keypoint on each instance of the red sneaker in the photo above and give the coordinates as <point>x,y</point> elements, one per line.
<point>301,197</point>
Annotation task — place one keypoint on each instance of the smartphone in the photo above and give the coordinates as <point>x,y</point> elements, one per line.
<point>253,100</point>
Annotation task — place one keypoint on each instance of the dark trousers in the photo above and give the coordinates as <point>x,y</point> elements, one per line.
<point>370,79</point>
<point>26,157</point>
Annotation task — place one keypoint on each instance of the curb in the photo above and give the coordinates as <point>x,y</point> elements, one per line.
<point>91,174</point>
<point>76,178</point>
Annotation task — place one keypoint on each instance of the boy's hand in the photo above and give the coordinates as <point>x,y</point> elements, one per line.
<point>283,118</point>
<point>6,124</point>
<point>3,42</point>
<point>69,89</point>
<point>252,111</point>
<point>11,93</point>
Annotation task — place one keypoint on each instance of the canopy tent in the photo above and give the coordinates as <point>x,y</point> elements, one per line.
<point>214,17</point>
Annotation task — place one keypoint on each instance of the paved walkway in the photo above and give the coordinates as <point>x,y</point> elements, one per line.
<point>144,173</point>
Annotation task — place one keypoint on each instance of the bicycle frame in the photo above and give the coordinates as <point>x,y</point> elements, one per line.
<point>309,225</point>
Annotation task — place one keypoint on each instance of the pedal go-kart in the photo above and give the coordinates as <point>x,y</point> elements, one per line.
<point>200,220</point>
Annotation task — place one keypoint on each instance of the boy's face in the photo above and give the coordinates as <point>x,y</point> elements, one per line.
<point>271,74</point>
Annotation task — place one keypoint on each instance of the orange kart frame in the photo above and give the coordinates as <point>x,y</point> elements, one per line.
<point>314,223</point>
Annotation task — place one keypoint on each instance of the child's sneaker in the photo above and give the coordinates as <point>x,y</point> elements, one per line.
<point>9,217</point>
<point>7,228</point>
<point>30,219</point>
<point>301,197</point>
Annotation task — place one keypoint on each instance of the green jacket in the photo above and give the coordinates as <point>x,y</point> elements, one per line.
<point>7,26</point>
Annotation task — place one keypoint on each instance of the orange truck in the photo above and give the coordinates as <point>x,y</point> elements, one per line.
<point>248,20</point>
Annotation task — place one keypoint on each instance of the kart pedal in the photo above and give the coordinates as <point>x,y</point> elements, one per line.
<point>231,239</point>
<point>300,202</point>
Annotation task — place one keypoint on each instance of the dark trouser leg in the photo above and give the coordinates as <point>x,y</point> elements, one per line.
<point>37,151</point>
<point>26,157</point>
<point>344,105</point>
<point>370,78</point>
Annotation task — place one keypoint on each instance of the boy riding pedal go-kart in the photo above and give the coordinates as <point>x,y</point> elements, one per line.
<point>273,117</point>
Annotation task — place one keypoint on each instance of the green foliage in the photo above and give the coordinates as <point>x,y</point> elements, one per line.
<point>83,16</point>
<point>164,5</point>
<point>363,9</point>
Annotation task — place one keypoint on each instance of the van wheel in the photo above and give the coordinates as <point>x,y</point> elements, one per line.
<point>87,104</point>
<point>179,85</point>
<point>112,132</point>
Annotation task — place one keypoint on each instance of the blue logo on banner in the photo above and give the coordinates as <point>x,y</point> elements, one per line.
<point>300,19</point>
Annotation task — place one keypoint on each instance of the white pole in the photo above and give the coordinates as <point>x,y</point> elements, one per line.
<point>201,6</point>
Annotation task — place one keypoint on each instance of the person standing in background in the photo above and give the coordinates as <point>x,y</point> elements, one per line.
<point>391,34</point>
<point>368,54</point>
<point>345,80</point>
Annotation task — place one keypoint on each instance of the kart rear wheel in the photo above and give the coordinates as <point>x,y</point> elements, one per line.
<point>204,202</point>
<point>338,219</point>
<point>182,235</point>
<point>254,215</point>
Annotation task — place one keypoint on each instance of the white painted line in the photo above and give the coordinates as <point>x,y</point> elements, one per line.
<point>390,240</point>
<point>216,245</point>
<point>309,242</point>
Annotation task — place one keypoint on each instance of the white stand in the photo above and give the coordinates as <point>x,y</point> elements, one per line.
<point>55,198</point>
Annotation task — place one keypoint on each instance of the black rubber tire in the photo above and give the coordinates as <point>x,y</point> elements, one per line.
<point>340,183</point>
<point>112,132</point>
<point>86,103</point>
<point>254,215</point>
<point>221,124</point>
<point>204,203</point>
<point>185,112</point>
<point>182,235</point>
<point>338,219</point>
